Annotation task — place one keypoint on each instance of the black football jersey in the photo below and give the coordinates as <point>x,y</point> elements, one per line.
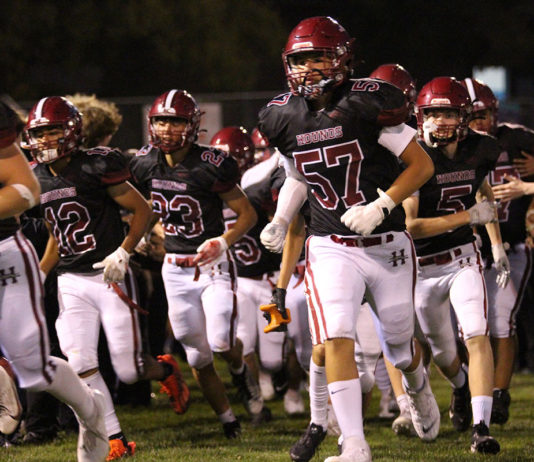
<point>453,187</point>
<point>336,149</point>
<point>186,196</point>
<point>85,220</point>
<point>512,139</point>
<point>251,257</point>
<point>8,134</point>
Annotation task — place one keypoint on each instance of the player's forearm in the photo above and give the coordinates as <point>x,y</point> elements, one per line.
<point>428,227</point>
<point>50,257</point>
<point>246,219</point>
<point>138,227</point>
<point>419,170</point>
<point>295,238</point>
<point>292,196</point>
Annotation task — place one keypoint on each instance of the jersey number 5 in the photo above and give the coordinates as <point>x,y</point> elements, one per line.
<point>311,163</point>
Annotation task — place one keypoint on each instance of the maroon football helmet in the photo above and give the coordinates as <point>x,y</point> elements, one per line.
<point>445,93</point>
<point>483,99</point>
<point>178,104</point>
<point>236,142</point>
<point>262,146</point>
<point>323,35</point>
<point>398,76</point>
<point>52,112</point>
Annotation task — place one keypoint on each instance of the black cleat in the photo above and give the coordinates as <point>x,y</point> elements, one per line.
<point>482,442</point>
<point>501,403</point>
<point>460,410</point>
<point>232,429</point>
<point>304,449</point>
<point>263,416</point>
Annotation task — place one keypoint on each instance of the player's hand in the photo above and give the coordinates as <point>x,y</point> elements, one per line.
<point>482,213</point>
<point>211,251</point>
<point>115,265</point>
<point>513,189</point>
<point>273,235</point>
<point>363,219</point>
<point>502,265</point>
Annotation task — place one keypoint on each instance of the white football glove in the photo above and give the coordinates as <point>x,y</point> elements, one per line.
<point>115,265</point>
<point>273,235</point>
<point>482,213</point>
<point>211,251</point>
<point>363,219</point>
<point>502,265</point>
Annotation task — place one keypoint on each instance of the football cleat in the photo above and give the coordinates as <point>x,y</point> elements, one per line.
<point>424,411</point>
<point>293,402</point>
<point>403,425</point>
<point>501,403</point>
<point>248,391</point>
<point>174,386</point>
<point>10,407</point>
<point>93,443</point>
<point>482,442</point>
<point>118,449</point>
<point>304,449</point>
<point>232,429</point>
<point>354,449</point>
<point>460,410</point>
<point>263,416</point>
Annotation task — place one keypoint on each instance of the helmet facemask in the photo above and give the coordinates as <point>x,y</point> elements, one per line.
<point>171,139</point>
<point>303,79</point>
<point>442,134</point>
<point>47,151</point>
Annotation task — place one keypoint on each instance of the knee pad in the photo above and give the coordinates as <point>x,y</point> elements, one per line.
<point>29,372</point>
<point>197,358</point>
<point>444,354</point>
<point>220,343</point>
<point>126,372</point>
<point>367,381</point>
<point>400,355</point>
<point>271,364</point>
<point>81,362</point>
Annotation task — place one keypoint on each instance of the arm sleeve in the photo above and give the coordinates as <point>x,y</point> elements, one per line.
<point>293,193</point>
<point>396,138</point>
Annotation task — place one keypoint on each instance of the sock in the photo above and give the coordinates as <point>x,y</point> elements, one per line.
<point>346,397</point>
<point>167,370</point>
<point>458,381</point>
<point>227,416</point>
<point>68,388</point>
<point>414,380</point>
<point>404,404</point>
<point>318,395</point>
<point>382,377</point>
<point>96,381</point>
<point>482,409</point>
<point>239,370</point>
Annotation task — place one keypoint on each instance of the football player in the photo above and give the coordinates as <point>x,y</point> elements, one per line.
<point>258,271</point>
<point>504,303</point>
<point>188,184</point>
<point>330,130</point>
<point>22,337</point>
<point>439,217</point>
<point>81,195</point>
<point>256,267</point>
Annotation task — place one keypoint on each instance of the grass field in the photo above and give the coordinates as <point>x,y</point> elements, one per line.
<point>197,436</point>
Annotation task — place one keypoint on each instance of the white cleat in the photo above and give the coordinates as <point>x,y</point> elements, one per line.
<point>10,408</point>
<point>266,386</point>
<point>93,444</point>
<point>425,412</point>
<point>293,402</point>
<point>403,424</point>
<point>354,450</point>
